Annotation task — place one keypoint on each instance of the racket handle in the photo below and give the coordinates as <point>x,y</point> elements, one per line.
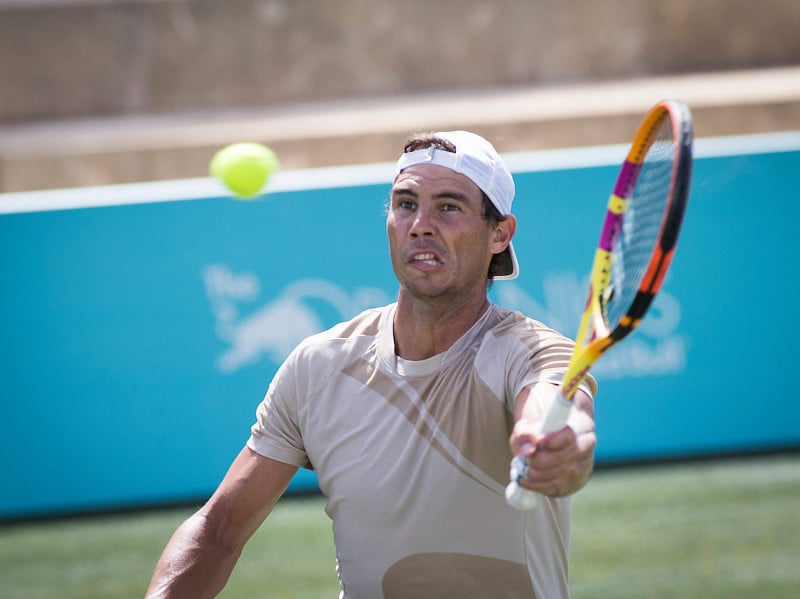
<point>556,419</point>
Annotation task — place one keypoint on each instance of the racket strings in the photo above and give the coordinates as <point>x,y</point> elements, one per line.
<point>642,222</point>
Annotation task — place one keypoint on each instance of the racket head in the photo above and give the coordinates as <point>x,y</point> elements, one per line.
<point>637,242</point>
<point>654,184</point>
<point>639,235</point>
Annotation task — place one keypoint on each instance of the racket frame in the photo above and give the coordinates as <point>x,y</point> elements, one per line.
<point>594,337</point>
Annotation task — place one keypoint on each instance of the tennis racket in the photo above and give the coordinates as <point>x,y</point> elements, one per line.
<point>637,242</point>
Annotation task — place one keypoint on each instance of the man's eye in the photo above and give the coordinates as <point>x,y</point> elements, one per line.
<point>406,204</point>
<point>450,207</point>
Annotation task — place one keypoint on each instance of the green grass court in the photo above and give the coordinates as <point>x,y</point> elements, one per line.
<point>713,529</point>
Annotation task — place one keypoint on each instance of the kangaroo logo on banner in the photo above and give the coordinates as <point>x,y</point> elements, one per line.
<point>302,308</point>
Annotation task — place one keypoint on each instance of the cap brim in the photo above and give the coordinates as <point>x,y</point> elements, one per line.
<point>505,266</point>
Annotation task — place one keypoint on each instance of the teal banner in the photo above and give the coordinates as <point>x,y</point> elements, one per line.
<point>141,324</point>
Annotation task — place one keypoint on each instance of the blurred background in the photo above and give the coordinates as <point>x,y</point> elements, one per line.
<point>111,91</point>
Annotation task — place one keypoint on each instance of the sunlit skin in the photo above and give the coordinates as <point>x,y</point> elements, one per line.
<point>441,246</point>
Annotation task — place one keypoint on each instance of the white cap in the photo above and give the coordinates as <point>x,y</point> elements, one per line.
<point>476,159</point>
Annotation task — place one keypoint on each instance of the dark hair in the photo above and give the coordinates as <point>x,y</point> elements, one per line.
<point>490,213</point>
<point>420,141</point>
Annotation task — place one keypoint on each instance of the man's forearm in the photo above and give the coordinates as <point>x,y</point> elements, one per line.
<point>195,563</point>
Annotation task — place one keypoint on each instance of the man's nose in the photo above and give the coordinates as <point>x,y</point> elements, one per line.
<point>423,225</point>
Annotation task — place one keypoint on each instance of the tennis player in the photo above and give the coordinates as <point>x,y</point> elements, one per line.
<point>410,413</point>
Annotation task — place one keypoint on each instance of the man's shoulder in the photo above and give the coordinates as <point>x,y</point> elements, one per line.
<point>512,322</point>
<point>364,325</point>
<point>515,331</point>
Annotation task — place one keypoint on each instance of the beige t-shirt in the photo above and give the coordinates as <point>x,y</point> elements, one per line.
<point>413,457</point>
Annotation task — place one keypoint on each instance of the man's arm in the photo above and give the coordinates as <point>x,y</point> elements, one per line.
<point>202,552</point>
<point>560,462</point>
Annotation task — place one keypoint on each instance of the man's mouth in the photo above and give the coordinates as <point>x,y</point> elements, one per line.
<point>425,258</point>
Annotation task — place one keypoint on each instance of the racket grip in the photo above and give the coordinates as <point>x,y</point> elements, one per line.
<point>556,419</point>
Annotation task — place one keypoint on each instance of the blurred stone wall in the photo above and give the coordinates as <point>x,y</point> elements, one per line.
<point>88,58</point>
<point>76,68</point>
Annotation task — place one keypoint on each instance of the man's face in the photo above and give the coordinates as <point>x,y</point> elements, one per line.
<point>438,239</point>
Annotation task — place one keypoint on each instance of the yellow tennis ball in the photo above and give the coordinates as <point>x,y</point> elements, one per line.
<point>244,168</point>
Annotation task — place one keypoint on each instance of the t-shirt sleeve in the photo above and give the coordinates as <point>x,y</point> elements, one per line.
<point>276,433</point>
<point>544,358</point>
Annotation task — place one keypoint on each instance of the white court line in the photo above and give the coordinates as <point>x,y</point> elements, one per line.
<point>369,174</point>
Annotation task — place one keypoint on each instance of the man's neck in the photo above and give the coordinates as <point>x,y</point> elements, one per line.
<point>425,328</point>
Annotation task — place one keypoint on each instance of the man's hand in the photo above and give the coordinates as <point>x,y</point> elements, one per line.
<point>560,462</point>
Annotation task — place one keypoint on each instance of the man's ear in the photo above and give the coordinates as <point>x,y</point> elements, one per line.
<point>503,233</point>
